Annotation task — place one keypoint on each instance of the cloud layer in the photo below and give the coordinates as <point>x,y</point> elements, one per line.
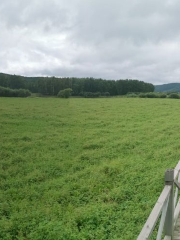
<point>109,39</point>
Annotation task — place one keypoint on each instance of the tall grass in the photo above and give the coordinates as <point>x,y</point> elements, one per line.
<point>83,168</point>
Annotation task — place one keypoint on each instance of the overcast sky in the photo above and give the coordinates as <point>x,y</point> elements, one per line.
<point>110,39</point>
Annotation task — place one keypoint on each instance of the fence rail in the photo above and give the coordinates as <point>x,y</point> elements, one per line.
<point>166,206</point>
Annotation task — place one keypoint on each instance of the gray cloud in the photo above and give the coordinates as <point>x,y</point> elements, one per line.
<point>108,39</point>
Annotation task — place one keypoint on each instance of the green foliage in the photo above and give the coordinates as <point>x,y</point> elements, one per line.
<point>7,92</point>
<point>66,93</point>
<point>152,95</point>
<point>105,94</point>
<point>142,95</point>
<point>83,168</point>
<point>51,85</point>
<point>174,95</point>
<point>162,95</point>
<point>91,94</point>
<point>131,95</point>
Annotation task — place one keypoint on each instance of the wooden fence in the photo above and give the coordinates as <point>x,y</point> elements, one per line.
<point>167,207</point>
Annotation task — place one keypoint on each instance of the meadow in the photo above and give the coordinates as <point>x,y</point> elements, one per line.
<point>83,169</point>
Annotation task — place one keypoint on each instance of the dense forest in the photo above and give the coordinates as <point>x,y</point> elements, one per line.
<point>52,85</point>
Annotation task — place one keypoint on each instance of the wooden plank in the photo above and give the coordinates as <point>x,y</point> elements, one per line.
<point>169,222</point>
<point>167,238</point>
<point>176,236</point>
<point>153,217</point>
<point>176,213</point>
<point>176,170</point>
<point>177,228</point>
<point>163,216</point>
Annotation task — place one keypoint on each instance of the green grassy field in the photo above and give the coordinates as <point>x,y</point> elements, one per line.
<point>83,169</point>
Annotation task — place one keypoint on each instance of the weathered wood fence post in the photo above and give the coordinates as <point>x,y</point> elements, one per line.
<point>169,221</point>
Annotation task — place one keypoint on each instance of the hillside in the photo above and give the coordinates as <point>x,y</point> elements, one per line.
<point>170,87</point>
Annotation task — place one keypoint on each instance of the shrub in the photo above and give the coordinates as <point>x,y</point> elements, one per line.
<point>162,95</point>
<point>8,92</point>
<point>91,94</point>
<point>131,95</point>
<point>106,94</point>
<point>66,93</point>
<point>23,93</point>
<point>81,94</point>
<point>96,94</point>
<point>88,94</point>
<point>174,95</point>
<point>142,95</point>
<point>151,95</point>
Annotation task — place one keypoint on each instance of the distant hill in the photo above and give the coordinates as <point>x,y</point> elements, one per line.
<point>170,87</point>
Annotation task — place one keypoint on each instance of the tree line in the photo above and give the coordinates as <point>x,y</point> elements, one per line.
<point>80,86</point>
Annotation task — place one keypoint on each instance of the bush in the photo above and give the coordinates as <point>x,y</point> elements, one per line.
<point>151,95</point>
<point>81,94</point>
<point>162,95</point>
<point>8,92</point>
<point>91,94</point>
<point>142,95</point>
<point>131,95</point>
<point>174,95</point>
<point>66,93</point>
<point>105,94</point>
<point>96,94</point>
<point>88,94</point>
